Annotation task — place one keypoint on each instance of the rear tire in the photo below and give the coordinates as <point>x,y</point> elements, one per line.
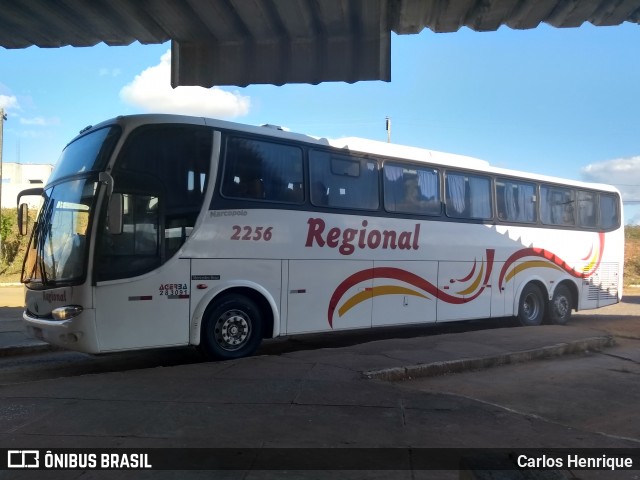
<point>559,308</point>
<point>232,328</point>
<point>531,306</point>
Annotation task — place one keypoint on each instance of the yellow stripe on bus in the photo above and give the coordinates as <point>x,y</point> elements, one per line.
<point>475,283</point>
<point>531,264</point>
<point>375,292</point>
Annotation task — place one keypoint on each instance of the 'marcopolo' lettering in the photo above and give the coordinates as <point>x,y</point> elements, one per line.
<point>348,239</point>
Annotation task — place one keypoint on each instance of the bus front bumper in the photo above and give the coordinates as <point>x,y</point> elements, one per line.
<point>77,333</point>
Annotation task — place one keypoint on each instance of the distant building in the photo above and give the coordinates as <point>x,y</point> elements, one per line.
<point>21,176</point>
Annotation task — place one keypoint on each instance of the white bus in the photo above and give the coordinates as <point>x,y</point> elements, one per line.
<point>165,231</point>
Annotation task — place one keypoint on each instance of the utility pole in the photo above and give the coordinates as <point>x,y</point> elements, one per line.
<point>3,117</point>
<point>388,126</point>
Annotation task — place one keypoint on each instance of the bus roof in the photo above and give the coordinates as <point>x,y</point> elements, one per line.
<point>354,144</point>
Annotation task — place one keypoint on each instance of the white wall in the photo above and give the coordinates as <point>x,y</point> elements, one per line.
<point>17,177</point>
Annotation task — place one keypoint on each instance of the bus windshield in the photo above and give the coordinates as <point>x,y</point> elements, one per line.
<point>86,154</point>
<point>57,253</point>
<point>58,247</point>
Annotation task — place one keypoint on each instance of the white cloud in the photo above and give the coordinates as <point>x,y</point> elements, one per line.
<point>9,102</point>
<point>34,135</point>
<point>40,121</point>
<point>623,173</point>
<point>151,91</point>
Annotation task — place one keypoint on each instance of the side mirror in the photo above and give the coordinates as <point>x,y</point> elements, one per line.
<point>114,214</point>
<point>23,218</point>
<point>23,208</point>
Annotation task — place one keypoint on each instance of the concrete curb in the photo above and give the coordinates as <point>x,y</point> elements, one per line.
<point>467,364</point>
<point>14,350</point>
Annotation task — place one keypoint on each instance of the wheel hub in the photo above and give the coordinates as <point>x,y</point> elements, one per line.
<point>561,306</point>
<point>530,306</point>
<point>232,329</point>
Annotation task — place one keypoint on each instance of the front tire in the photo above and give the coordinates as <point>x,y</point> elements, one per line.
<point>559,308</point>
<point>531,306</point>
<point>232,328</point>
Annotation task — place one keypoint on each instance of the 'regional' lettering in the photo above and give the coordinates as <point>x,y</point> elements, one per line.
<point>348,239</point>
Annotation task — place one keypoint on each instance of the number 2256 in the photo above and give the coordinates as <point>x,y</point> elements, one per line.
<point>251,233</point>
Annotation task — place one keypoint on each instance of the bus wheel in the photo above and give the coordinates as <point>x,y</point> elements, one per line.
<point>531,306</point>
<point>232,328</point>
<point>559,309</point>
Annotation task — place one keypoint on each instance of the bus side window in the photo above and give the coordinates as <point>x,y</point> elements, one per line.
<point>259,170</point>
<point>586,209</point>
<point>557,205</point>
<point>516,201</point>
<point>609,216</point>
<point>343,181</point>
<point>411,189</point>
<point>468,196</point>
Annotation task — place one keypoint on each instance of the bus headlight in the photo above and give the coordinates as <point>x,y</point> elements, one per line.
<point>66,312</point>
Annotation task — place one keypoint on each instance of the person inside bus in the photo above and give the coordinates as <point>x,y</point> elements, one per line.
<point>253,188</point>
<point>414,201</point>
<point>319,194</point>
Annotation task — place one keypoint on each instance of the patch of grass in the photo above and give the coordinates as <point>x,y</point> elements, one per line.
<point>632,233</point>
<point>632,255</point>
<point>14,245</point>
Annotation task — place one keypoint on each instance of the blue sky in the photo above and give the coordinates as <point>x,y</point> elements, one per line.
<point>562,102</point>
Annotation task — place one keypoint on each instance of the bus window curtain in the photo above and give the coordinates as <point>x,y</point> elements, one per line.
<point>510,207</point>
<point>526,201</point>
<point>480,197</point>
<point>428,183</point>
<point>545,206</point>
<point>456,193</point>
<point>586,209</point>
<point>557,206</point>
<point>518,202</point>
<point>608,211</point>
<point>393,187</point>
<point>392,173</point>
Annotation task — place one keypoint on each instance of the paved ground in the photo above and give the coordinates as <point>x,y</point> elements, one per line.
<point>341,398</point>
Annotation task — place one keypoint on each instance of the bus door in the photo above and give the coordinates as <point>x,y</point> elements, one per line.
<point>142,288</point>
<point>403,292</point>
<point>463,292</point>
<point>140,303</point>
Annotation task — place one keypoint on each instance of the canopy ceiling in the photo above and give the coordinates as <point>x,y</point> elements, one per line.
<point>241,42</point>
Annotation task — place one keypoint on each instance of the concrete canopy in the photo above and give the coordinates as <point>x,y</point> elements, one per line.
<point>242,42</point>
